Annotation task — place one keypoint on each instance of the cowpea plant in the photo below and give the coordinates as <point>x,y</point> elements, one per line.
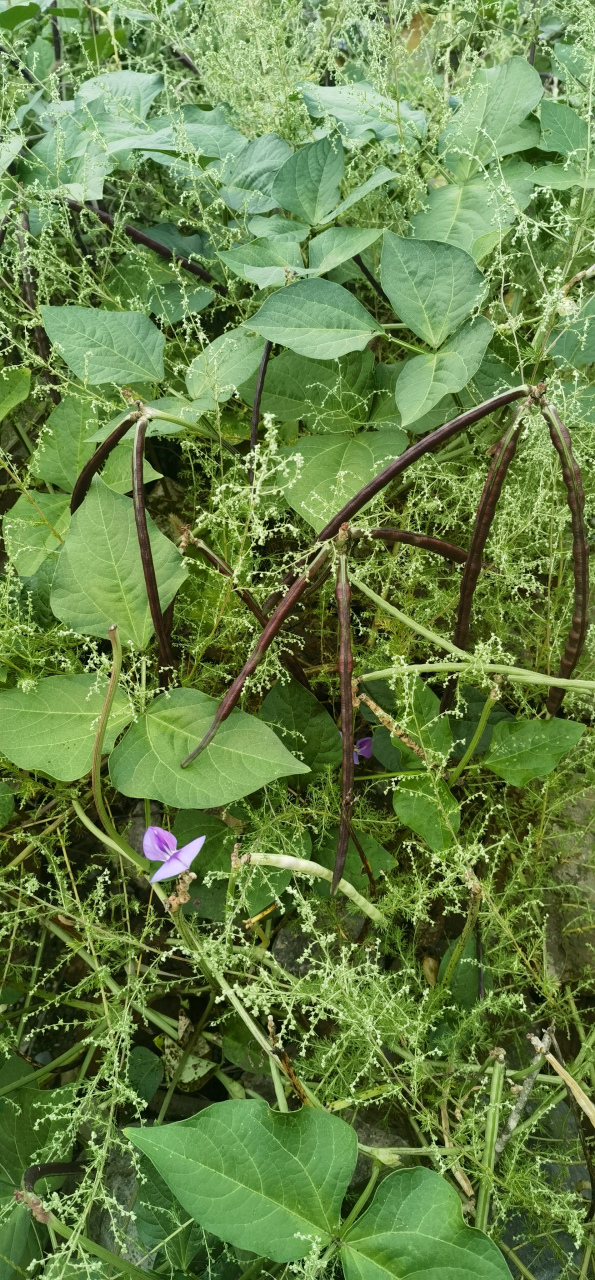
<point>287,397</point>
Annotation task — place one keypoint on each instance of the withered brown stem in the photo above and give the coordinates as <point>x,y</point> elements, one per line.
<point>266,637</point>
<point>345,664</point>
<point>427,543</point>
<point>573,648</point>
<point>505,451</point>
<point>146,555</point>
<point>140,237</point>
<point>289,661</point>
<point>95,463</point>
<point>268,347</point>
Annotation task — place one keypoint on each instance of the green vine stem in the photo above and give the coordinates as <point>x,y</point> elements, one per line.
<point>477,671</point>
<point>488,707</point>
<point>482,1211</point>
<point>302,866</point>
<point>573,648</point>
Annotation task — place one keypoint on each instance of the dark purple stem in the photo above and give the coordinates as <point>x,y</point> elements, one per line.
<point>343,597</point>
<point>289,661</point>
<point>185,60</point>
<point>427,543</point>
<point>400,464</point>
<point>146,555</point>
<point>56,41</point>
<point>95,463</point>
<point>573,648</point>
<point>357,258</point>
<point>505,451</point>
<point>140,237</point>
<point>268,347</point>
<point>266,637</point>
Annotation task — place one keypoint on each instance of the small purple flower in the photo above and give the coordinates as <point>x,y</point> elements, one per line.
<point>363,748</point>
<point>161,846</point>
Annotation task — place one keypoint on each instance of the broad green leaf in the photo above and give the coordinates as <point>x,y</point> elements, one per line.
<point>145,1071</point>
<point>414,1229</point>
<point>264,262</point>
<point>210,133</point>
<point>563,130</point>
<point>6,804</point>
<point>99,580</point>
<point>424,722</point>
<point>117,472</point>
<point>17,14</point>
<point>426,379</point>
<point>33,528</point>
<point>463,985</point>
<point>379,858</point>
<point>53,726</point>
<point>572,62</point>
<point>248,180</point>
<point>377,179</point>
<point>524,749</point>
<point>276,227</point>
<point>15,381</point>
<point>207,901</point>
<point>562,177</point>
<point>64,446</point>
<point>574,343</point>
<point>21,1241</point>
<point>428,807</point>
<point>260,885</point>
<point>315,318</point>
<point>171,302</point>
<point>303,725</point>
<point>330,396</point>
<point>259,1179</point>
<point>338,244</point>
<point>491,120</point>
<point>106,346</point>
<point>308,183</point>
<point>363,114</point>
<point>223,365</point>
<point>323,472</point>
<point>244,755</point>
<point>128,93</point>
<point>158,1217</point>
<point>431,286</point>
<point>68,159</point>
<point>465,215</point>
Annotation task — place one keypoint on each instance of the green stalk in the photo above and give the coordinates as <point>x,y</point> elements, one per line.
<point>482,1211</point>
<point>303,866</point>
<point>518,674</point>
<point>363,1199</point>
<point>483,720</point>
<point>278,1083</point>
<point>470,922</point>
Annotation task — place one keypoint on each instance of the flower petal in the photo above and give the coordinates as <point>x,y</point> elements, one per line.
<point>158,844</point>
<point>173,867</point>
<point>189,851</point>
<point>179,861</point>
<point>363,747</point>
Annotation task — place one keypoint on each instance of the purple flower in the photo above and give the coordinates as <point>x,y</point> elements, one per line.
<point>161,846</point>
<point>363,748</point>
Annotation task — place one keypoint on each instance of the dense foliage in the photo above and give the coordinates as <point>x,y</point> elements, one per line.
<point>297,332</point>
